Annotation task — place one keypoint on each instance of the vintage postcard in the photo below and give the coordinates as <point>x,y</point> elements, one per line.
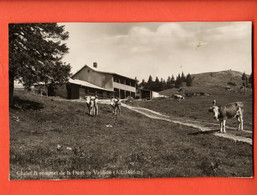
<point>130,100</point>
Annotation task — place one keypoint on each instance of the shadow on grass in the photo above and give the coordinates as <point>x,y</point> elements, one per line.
<point>26,104</point>
<point>203,132</point>
<point>107,110</point>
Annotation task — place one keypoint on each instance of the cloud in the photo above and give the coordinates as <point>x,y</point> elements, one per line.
<point>161,49</point>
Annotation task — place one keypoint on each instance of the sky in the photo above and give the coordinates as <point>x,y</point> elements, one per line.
<point>160,49</point>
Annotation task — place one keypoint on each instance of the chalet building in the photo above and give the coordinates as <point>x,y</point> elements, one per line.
<point>148,94</point>
<point>90,81</point>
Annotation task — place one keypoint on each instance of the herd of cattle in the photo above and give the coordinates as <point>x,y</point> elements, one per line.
<point>221,113</point>
<point>92,105</point>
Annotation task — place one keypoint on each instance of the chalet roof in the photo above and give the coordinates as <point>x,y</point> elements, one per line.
<point>104,72</point>
<point>87,84</point>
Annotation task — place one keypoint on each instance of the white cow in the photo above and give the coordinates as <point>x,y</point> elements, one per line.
<point>88,99</point>
<point>222,113</point>
<point>116,105</point>
<point>92,105</point>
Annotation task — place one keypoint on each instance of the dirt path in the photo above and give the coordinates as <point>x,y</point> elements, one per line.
<point>186,122</point>
<point>195,124</point>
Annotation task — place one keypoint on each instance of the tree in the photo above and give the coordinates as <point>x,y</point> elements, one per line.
<point>189,80</point>
<point>142,84</point>
<point>156,85</point>
<point>35,54</point>
<point>244,78</point>
<point>251,79</point>
<point>162,84</point>
<point>172,80</point>
<point>167,84</point>
<point>150,79</point>
<point>149,83</point>
<point>178,81</point>
<point>136,82</point>
<point>183,78</point>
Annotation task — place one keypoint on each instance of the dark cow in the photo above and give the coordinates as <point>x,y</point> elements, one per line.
<point>222,113</point>
<point>178,97</point>
<point>116,105</point>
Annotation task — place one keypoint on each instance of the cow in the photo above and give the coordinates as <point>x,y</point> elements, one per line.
<point>88,99</point>
<point>178,97</point>
<point>116,105</point>
<point>222,113</point>
<point>92,105</point>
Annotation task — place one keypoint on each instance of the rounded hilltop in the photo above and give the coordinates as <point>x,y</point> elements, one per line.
<point>227,81</point>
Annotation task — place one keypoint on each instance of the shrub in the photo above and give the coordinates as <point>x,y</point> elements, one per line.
<point>231,83</point>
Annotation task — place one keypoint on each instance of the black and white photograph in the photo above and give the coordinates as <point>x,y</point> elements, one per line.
<point>130,100</point>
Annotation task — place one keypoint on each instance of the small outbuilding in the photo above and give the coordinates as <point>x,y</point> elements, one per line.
<point>148,94</point>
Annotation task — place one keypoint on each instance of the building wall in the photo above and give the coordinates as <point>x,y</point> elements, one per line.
<point>61,91</point>
<point>79,92</point>
<point>145,94</point>
<point>86,91</point>
<point>100,79</point>
<point>121,86</point>
<point>124,80</point>
<point>124,87</point>
<point>155,94</point>
<point>72,91</point>
<point>82,92</point>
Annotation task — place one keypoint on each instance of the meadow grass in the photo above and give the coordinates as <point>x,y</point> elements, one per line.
<point>134,146</point>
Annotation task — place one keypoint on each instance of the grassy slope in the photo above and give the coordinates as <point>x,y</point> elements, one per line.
<point>218,78</point>
<point>136,143</point>
<point>196,108</point>
<point>212,82</point>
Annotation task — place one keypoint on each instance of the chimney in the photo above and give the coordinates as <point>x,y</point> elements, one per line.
<point>95,64</point>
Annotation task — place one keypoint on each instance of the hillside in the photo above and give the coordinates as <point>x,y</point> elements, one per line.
<point>212,83</point>
<point>218,78</point>
<point>57,139</point>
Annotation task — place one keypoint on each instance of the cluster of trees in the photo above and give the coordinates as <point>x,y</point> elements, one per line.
<point>247,80</point>
<point>181,78</point>
<point>35,54</point>
<point>162,84</point>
